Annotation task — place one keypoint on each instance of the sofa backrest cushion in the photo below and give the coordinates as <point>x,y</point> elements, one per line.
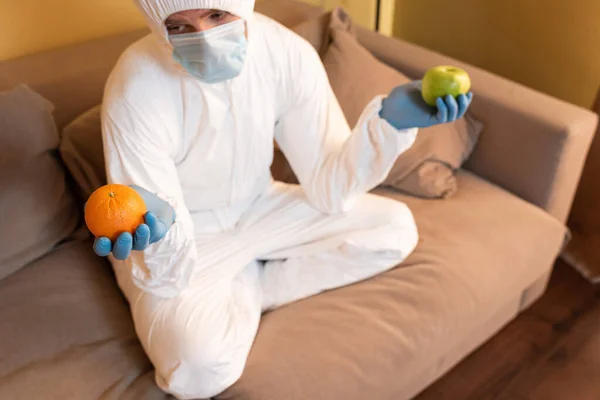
<point>37,208</point>
<point>82,152</point>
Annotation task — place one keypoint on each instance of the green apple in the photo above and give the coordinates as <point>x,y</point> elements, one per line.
<point>442,81</point>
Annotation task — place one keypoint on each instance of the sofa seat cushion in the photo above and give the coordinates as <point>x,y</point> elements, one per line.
<point>477,251</point>
<point>67,332</point>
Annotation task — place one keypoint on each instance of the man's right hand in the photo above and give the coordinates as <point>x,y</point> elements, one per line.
<point>404,108</point>
<point>158,221</point>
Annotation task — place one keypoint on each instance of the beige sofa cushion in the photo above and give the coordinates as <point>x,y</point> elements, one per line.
<point>356,76</point>
<point>67,332</point>
<point>37,209</point>
<point>82,152</point>
<point>478,250</point>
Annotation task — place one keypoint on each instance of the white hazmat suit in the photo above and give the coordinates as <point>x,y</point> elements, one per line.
<point>242,243</point>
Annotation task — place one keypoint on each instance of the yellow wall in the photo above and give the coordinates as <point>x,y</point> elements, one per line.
<point>29,26</point>
<point>550,45</point>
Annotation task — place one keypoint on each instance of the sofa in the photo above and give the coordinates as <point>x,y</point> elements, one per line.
<point>485,254</point>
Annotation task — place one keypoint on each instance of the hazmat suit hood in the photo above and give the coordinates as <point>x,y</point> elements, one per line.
<point>157,11</point>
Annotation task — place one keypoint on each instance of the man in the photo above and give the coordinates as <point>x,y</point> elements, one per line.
<point>189,118</point>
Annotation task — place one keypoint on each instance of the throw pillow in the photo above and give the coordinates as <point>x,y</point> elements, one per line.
<point>356,76</point>
<point>82,152</point>
<point>36,206</point>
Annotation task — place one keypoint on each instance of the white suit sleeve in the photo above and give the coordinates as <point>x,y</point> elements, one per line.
<point>138,150</point>
<point>333,163</point>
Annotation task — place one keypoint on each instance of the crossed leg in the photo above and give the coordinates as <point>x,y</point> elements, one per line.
<point>199,341</point>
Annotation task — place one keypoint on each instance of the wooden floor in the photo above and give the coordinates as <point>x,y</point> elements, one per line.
<point>550,352</point>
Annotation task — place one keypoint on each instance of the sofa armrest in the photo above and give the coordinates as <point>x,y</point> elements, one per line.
<point>533,145</point>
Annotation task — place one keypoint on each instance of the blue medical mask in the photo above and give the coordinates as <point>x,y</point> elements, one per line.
<point>215,55</point>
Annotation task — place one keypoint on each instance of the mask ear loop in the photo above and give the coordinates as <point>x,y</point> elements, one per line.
<point>165,32</point>
<point>170,48</point>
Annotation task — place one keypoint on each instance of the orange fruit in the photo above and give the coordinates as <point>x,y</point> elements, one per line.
<point>114,209</point>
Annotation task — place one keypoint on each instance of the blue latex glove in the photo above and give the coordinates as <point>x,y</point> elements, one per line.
<point>158,221</point>
<point>404,108</point>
